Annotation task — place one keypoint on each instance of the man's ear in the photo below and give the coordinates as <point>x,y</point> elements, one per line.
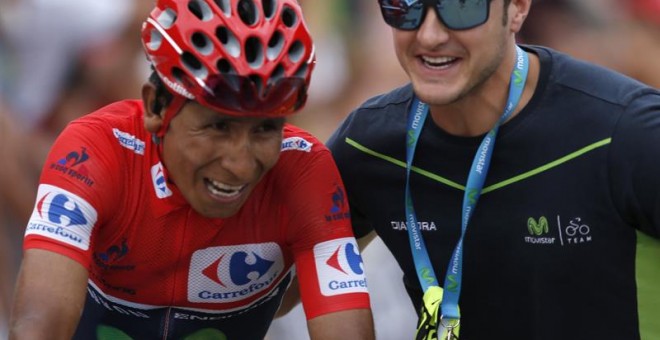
<point>518,13</point>
<point>152,108</point>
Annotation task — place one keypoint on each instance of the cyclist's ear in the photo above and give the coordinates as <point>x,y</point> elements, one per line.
<point>156,106</point>
<point>152,108</point>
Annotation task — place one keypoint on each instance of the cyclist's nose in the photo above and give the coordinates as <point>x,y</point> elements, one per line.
<point>239,158</point>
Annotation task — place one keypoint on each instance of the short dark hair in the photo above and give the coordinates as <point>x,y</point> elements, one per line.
<point>163,95</point>
<point>505,17</point>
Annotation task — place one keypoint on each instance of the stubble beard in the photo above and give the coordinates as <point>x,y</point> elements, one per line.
<point>476,85</point>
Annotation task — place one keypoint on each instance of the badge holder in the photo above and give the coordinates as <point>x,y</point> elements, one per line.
<point>432,325</point>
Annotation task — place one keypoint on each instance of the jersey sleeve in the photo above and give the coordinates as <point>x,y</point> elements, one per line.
<point>328,262</point>
<point>635,163</point>
<point>74,193</point>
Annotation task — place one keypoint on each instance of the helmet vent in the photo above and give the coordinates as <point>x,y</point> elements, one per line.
<point>254,53</point>
<point>289,17</point>
<point>277,74</point>
<point>275,45</point>
<point>178,75</point>
<point>225,67</point>
<point>247,11</point>
<point>194,65</point>
<point>200,9</point>
<point>167,18</point>
<point>268,8</point>
<point>229,41</point>
<point>155,40</point>
<point>302,71</point>
<point>225,6</point>
<point>202,43</point>
<point>296,51</point>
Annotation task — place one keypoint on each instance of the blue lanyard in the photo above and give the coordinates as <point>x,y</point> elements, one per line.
<point>475,183</point>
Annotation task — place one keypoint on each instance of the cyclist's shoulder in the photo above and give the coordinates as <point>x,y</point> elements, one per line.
<point>300,145</point>
<point>117,125</point>
<point>302,153</point>
<point>116,121</point>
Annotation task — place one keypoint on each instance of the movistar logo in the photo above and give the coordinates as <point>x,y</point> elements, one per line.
<point>537,228</point>
<point>517,77</point>
<point>426,275</point>
<point>411,138</point>
<point>452,286</point>
<point>472,195</point>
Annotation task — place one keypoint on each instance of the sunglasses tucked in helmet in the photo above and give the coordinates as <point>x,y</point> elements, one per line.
<point>239,57</point>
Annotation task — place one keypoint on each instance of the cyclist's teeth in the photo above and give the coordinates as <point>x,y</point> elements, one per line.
<point>222,189</point>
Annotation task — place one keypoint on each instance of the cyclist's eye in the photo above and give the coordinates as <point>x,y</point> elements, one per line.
<point>271,125</point>
<point>220,126</point>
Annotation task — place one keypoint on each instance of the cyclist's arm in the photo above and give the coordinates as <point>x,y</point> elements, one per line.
<point>50,295</point>
<point>329,268</point>
<point>292,297</point>
<point>349,324</point>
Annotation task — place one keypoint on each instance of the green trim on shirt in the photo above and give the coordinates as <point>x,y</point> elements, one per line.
<point>492,187</point>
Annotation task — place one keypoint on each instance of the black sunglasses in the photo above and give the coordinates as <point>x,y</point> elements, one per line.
<point>408,15</point>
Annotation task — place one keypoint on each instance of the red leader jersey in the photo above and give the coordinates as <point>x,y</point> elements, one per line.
<point>158,269</point>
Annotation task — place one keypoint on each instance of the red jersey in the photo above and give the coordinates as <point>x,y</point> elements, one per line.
<point>158,269</point>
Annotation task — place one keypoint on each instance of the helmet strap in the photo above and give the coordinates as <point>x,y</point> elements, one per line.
<point>171,110</point>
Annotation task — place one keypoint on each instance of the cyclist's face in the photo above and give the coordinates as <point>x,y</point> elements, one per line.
<point>216,160</point>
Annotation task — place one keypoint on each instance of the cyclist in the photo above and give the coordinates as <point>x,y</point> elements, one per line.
<point>508,181</point>
<point>182,216</point>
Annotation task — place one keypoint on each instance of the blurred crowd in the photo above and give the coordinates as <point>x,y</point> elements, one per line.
<point>60,59</point>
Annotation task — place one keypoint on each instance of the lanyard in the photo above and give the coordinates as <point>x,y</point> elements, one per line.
<point>475,182</point>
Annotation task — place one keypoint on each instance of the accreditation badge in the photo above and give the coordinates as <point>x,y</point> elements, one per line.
<point>431,326</point>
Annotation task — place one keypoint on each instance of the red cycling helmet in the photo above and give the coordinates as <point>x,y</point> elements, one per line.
<point>239,57</point>
<point>646,10</point>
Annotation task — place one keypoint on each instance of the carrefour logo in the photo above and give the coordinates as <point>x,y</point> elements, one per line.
<point>339,267</point>
<point>233,273</point>
<point>159,181</point>
<point>296,143</point>
<point>62,216</point>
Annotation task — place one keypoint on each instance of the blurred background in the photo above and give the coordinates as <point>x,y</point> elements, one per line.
<point>60,59</point>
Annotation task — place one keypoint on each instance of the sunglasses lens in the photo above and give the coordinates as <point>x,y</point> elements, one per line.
<point>463,14</point>
<point>239,96</point>
<point>455,14</point>
<point>402,14</point>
